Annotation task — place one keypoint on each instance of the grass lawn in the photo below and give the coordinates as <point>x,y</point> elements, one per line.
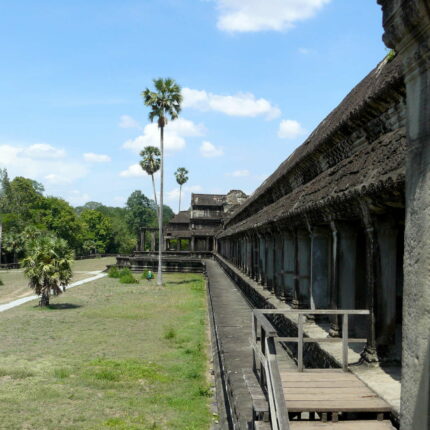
<point>108,356</point>
<point>15,284</point>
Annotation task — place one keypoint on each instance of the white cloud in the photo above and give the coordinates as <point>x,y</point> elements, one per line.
<point>241,104</point>
<point>55,179</point>
<point>40,162</point>
<point>78,198</point>
<point>173,195</point>
<point>133,171</point>
<point>240,173</point>
<point>96,158</point>
<point>127,121</point>
<point>305,51</point>
<point>42,151</point>
<point>174,134</point>
<point>209,150</point>
<point>290,129</point>
<point>258,15</point>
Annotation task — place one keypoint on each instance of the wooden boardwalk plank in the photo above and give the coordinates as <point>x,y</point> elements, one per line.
<point>329,391</point>
<point>321,384</point>
<point>362,405</point>
<point>341,425</point>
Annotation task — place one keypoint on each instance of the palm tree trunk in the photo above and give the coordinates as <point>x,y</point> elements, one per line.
<point>160,211</point>
<point>44,299</point>
<point>1,233</point>
<point>155,194</point>
<point>180,191</point>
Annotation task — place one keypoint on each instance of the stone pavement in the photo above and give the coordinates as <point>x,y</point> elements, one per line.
<point>232,316</point>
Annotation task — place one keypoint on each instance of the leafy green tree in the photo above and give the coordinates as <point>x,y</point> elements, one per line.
<point>58,216</point>
<point>181,176</point>
<point>164,102</point>
<point>150,163</point>
<point>48,266</point>
<point>97,228</point>
<point>139,212</point>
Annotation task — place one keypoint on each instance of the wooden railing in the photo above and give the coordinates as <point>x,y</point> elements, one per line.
<point>265,364</point>
<point>301,340</point>
<point>266,368</point>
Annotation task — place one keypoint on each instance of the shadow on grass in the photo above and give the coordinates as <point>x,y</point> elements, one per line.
<point>185,281</point>
<point>59,306</point>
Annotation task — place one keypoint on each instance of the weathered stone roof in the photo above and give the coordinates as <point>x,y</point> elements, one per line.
<point>183,217</point>
<point>385,76</point>
<point>207,199</point>
<point>377,165</point>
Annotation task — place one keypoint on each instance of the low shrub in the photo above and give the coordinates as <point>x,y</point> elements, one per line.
<point>1,282</point>
<point>128,278</point>
<point>145,274</point>
<point>125,271</point>
<point>113,272</point>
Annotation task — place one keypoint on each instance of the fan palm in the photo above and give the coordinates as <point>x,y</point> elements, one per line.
<point>13,243</point>
<point>150,163</point>
<point>181,178</point>
<point>48,267</point>
<point>164,102</point>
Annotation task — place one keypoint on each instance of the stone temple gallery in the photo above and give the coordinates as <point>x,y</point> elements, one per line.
<point>342,224</point>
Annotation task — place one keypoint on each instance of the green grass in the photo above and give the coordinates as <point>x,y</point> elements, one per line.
<point>113,356</point>
<point>15,285</point>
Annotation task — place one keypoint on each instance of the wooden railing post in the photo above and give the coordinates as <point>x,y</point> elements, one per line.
<point>300,343</point>
<point>345,342</point>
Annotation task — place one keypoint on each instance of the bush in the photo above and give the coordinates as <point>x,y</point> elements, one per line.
<point>144,274</point>
<point>1,282</point>
<point>128,278</point>
<point>125,271</point>
<point>113,272</point>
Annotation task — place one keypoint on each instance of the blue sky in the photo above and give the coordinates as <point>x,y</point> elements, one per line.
<point>257,78</point>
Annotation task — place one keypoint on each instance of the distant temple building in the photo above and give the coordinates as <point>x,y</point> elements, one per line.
<point>195,229</point>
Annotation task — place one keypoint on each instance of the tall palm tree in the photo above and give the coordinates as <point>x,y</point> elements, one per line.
<point>164,102</point>
<point>48,267</point>
<point>150,163</point>
<point>181,178</point>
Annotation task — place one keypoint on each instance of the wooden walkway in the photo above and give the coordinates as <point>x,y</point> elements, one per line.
<point>330,393</point>
<point>307,399</point>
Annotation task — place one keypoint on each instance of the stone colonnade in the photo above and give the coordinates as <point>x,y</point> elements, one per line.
<point>338,264</point>
<point>407,30</point>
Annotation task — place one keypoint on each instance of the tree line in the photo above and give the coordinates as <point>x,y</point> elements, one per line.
<point>25,212</point>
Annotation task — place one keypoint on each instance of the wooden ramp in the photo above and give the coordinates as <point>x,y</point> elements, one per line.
<point>331,394</point>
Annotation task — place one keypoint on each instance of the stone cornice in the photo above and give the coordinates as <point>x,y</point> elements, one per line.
<point>407,30</point>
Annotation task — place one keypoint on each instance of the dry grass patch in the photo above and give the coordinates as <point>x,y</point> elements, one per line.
<point>121,357</point>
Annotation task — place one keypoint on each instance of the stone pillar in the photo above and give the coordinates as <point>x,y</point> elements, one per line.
<point>193,243</point>
<point>278,264</point>
<point>407,30</point>
<point>270,263</point>
<point>319,291</point>
<point>372,266</point>
<point>288,265</point>
<point>263,278</point>
<point>152,241</point>
<point>387,291</point>
<point>207,244</point>
<point>344,271</point>
<point>303,270</point>
<point>142,240</point>
<point>178,244</point>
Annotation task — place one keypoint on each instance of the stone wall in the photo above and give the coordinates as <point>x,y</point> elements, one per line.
<point>324,231</point>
